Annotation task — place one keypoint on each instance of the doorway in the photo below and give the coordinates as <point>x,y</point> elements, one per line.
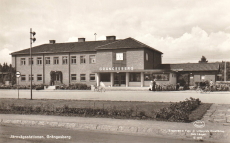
<point>119,79</point>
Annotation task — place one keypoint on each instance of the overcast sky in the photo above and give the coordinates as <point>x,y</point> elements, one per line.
<point>183,30</point>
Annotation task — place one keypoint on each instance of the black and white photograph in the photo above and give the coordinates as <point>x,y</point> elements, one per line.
<point>114,71</point>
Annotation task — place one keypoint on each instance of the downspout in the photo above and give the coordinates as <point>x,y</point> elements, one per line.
<point>69,69</point>
<point>43,69</point>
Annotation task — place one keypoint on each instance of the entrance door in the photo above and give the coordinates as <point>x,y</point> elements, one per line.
<point>191,80</point>
<point>119,79</point>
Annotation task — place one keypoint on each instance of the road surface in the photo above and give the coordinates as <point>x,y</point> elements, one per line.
<point>162,96</point>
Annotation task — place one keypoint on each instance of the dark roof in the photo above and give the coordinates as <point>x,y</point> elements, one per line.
<point>126,43</point>
<point>85,46</point>
<point>191,67</point>
<point>64,47</point>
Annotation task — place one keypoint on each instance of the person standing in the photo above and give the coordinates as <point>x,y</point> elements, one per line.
<point>211,85</point>
<point>151,85</point>
<point>154,85</point>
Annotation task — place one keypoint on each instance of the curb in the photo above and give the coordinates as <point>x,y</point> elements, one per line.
<point>149,131</point>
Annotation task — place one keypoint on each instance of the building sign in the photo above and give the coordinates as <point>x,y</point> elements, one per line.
<point>115,68</point>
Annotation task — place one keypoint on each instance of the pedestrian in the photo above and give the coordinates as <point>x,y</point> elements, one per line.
<point>211,85</point>
<point>177,86</point>
<point>151,85</point>
<point>154,85</point>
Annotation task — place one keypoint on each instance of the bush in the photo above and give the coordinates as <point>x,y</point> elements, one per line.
<point>79,86</point>
<point>179,111</point>
<point>166,87</point>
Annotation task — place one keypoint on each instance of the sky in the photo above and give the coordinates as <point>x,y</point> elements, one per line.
<point>184,30</point>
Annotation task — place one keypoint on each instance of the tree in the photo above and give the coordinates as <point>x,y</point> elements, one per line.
<point>203,60</point>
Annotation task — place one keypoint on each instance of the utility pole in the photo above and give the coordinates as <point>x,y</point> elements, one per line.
<point>31,41</point>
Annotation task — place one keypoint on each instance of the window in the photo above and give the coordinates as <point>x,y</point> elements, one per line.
<point>161,77</point>
<point>105,77</point>
<point>147,77</point>
<point>82,59</point>
<point>119,56</point>
<point>73,77</point>
<point>92,59</point>
<point>47,60</point>
<point>135,77</point>
<point>56,60</point>
<point>39,77</point>
<point>39,60</point>
<point>64,60</point>
<point>23,61</point>
<point>32,77</point>
<point>82,76</point>
<point>202,77</point>
<point>92,77</point>
<point>73,59</point>
<point>31,60</point>
<point>23,77</point>
<point>147,57</point>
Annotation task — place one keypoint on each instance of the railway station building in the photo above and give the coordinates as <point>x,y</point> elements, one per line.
<point>115,62</point>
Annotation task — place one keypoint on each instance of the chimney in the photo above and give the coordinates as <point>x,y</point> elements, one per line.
<point>81,39</point>
<point>113,38</point>
<point>52,41</point>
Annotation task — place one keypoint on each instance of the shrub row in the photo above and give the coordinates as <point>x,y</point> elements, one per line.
<point>75,86</point>
<point>68,111</point>
<point>179,111</point>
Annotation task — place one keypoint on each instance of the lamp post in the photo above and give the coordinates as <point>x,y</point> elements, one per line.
<point>32,39</point>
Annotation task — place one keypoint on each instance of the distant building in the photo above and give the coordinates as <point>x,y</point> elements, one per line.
<point>115,62</point>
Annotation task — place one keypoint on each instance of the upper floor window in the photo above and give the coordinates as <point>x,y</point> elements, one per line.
<point>56,60</point>
<point>119,56</point>
<point>23,61</point>
<point>64,60</point>
<point>73,59</point>
<point>47,60</point>
<point>82,60</point>
<point>147,57</point>
<point>39,60</point>
<point>31,60</point>
<point>92,59</point>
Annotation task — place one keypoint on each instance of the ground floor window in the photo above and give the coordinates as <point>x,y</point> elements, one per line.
<point>32,77</point>
<point>39,77</point>
<point>92,77</point>
<point>82,77</point>
<point>202,77</point>
<point>161,77</point>
<point>105,77</point>
<point>73,77</point>
<point>148,77</point>
<point>23,77</point>
<point>135,77</point>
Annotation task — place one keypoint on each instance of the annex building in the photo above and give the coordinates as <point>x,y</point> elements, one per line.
<point>115,62</point>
